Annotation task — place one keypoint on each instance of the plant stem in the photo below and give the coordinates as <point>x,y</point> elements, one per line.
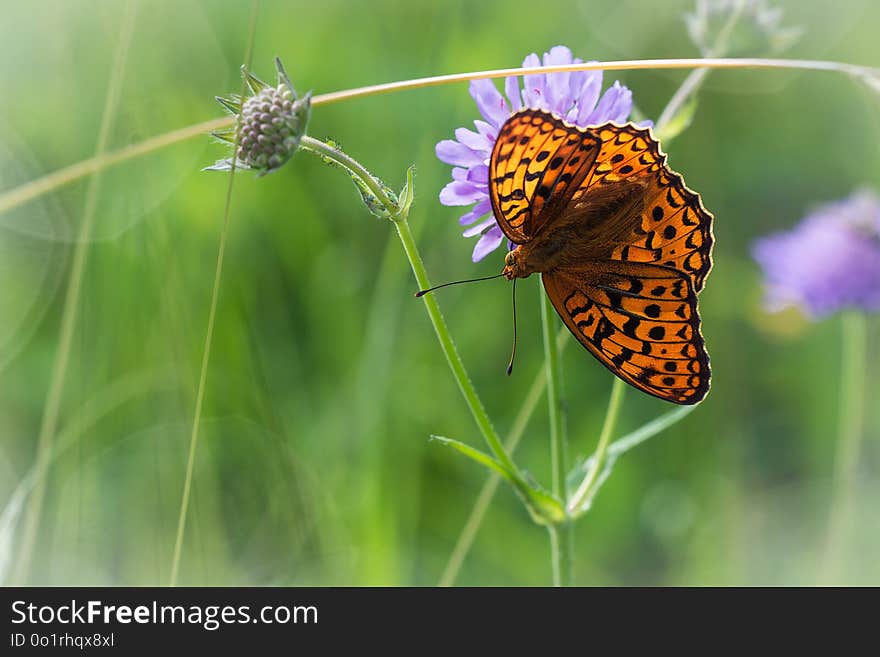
<point>415,260</point>
<point>695,78</point>
<point>455,364</point>
<point>551,364</point>
<point>561,543</point>
<point>557,543</point>
<point>621,65</point>
<point>851,409</point>
<point>209,331</point>
<point>29,191</point>
<point>585,489</point>
<point>70,312</point>
<point>487,492</point>
<point>337,155</point>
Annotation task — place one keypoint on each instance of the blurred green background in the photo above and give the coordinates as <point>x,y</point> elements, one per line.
<point>313,465</point>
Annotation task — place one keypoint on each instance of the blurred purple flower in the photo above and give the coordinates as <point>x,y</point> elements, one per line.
<point>572,96</point>
<point>829,262</point>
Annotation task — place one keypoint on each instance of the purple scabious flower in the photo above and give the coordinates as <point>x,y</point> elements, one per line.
<point>830,261</point>
<point>573,96</point>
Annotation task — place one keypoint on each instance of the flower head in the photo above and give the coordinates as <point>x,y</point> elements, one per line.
<point>269,124</point>
<point>829,262</point>
<point>574,96</point>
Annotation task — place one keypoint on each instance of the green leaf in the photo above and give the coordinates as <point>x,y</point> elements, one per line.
<point>407,193</point>
<point>255,84</point>
<point>231,104</point>
<point>477,456</point>
<point>618,448</point>
<point>283,77</point>
<point>542,506</point>
<point>374,205</point>
<point>680,122</point>
<point>225,134</point>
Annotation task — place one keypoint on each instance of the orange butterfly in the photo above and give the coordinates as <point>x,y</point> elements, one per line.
<point>622,246</point>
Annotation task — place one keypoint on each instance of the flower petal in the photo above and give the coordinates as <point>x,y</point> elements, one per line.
<point>460,193</point>
<point>489,131</point>
<point>615,105</point>
<point>511,88</point>
<point>452,152</point>
<point>476,229</point>
<point>558,89</point>
<point>587,95</point>
<point>460,174</point>
<point>473,140</point>
<point>533,84</point>
<point>489,101</point>
<point>480,209</point>
<point>487,243</point>
<point>479,175</point>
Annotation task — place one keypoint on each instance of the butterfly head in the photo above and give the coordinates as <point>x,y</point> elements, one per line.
<point>515,265</point>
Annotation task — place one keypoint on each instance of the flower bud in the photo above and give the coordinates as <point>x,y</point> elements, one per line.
<point>269,124</point>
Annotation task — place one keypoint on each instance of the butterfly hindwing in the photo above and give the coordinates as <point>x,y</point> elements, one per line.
<point>537,164</point>
<point>640,321</point>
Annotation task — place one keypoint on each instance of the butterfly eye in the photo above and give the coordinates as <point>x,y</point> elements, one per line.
<point>508,259</point>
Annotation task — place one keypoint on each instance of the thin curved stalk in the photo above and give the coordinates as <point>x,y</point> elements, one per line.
<point>561,543</point>
<point>70,312</point>
<point>851,414</point>
<point>585,489</point>
<point>209,332</point>
<point>29,191</point>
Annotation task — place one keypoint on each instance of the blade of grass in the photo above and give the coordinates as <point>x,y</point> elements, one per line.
<point>209,333</point>
<point>49,421</point>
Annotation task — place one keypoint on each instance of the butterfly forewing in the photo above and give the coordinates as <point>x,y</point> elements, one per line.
<point>673,228</point>
<point>537,164</point>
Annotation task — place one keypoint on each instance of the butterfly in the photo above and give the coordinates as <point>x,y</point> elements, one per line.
<point>622,245</point>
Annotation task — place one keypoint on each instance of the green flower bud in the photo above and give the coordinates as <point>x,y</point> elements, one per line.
<point>269,124</point>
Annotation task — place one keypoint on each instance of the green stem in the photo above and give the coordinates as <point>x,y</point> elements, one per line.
<point>415,260</point>
<point>487,492</point>
<point>854,331</point>
<point>585,489</point>
<point>557,543</point>
<point>455,364</point>
<point>561,543</point>
<point>695,78</point>
<point>337,155</point>
<point>551,363</point>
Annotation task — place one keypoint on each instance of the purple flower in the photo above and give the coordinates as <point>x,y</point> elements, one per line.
<point>572,96</point>
<point>829,262</point>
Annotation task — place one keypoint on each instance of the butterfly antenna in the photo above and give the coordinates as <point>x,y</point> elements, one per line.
<point>469,280</point>
<point>513,351</point>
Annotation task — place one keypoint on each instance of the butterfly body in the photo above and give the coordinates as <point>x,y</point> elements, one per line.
<point>622,246</point>
<point>588,231</point>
